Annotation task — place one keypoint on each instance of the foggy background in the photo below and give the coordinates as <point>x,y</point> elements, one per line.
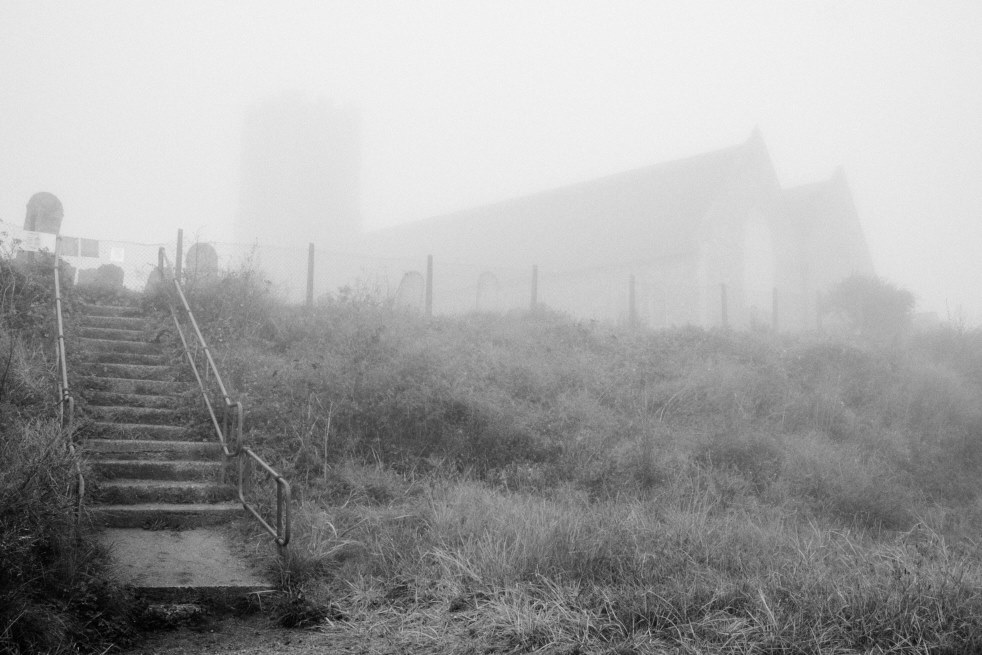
<point>132,112</point>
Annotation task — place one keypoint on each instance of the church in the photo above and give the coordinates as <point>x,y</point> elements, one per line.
<point>709,240</point>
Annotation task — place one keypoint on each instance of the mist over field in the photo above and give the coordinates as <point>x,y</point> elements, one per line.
<point>570,326</point>
<point>134,114</point>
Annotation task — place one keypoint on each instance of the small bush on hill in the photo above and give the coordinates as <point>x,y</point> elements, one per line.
<point>873,307</point>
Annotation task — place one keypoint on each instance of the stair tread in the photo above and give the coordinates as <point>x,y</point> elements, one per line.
<point>220,506</point>
<point>168,462</point>
<point>129,482</point>
<point>128,382</point>
<point>157,444</point>
<point>137,426</point>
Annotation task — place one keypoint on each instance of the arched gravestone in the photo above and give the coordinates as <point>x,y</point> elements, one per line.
<point>411,291</point>
<point>44,213</point>
<point>201,261</point>
<point>488,292</point>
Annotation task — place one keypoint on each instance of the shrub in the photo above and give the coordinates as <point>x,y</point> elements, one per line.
<point>871,306</point>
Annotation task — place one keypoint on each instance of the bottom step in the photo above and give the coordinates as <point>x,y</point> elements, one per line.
<point>162,516</point>
<point>181,566</point>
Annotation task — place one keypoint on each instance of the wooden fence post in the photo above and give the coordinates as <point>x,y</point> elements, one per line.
<point>632,308</point>
<point>774,311</point>
<point>535,287</point>
<point>310,275</point>
<point>179,258</point>
<point>725,320</point>
<point>429,285</point>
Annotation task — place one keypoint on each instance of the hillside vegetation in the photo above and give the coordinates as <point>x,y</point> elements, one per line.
<point>55,596</point>
<point>529,482</point>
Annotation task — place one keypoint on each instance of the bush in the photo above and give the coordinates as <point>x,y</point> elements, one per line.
<point>872,307</point>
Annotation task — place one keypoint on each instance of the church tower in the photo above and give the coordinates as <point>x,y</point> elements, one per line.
<point>300,173</point>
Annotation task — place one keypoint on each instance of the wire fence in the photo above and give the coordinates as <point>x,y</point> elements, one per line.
<point>658,297</point>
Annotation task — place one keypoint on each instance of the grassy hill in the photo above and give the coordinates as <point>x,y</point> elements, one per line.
<point>529,481</point>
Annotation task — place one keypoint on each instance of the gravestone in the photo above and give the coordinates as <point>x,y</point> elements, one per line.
<point>44,213</point>
<point>201,262</point>
<point>411,291</point>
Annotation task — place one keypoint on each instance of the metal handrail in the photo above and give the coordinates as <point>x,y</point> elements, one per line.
<point>66,402</point>
<point>232,415</point>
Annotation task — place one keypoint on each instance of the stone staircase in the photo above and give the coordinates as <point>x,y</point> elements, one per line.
<point>156,482</point>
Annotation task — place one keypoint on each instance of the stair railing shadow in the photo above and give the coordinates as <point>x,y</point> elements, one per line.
<point>229,428</point>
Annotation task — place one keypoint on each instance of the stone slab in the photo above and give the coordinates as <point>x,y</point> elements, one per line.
<point>197,559</point>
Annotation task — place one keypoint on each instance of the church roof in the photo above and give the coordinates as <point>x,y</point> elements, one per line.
<point>825,218</point>
<point>641,215</point>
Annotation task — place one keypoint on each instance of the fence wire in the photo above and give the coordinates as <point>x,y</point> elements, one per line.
<point>667,294</point>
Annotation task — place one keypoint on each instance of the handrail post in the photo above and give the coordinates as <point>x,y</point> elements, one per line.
<point>66,403</point>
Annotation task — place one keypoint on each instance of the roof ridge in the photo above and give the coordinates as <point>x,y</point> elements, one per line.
<point>732,152</point>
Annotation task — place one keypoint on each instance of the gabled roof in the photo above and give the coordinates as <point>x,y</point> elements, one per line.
<point>825,217</point>
<point>639,215</point>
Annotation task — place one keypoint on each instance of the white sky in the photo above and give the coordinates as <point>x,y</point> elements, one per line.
<point>131,111</point>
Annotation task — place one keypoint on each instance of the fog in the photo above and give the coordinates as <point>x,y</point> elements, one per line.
<point>132,112</point>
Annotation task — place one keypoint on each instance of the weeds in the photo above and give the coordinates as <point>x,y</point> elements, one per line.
<point>54,596</point>
<point>545,483</point>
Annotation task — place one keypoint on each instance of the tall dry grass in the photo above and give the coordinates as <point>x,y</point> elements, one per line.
<point>55,596</point>
<point>547,482</point>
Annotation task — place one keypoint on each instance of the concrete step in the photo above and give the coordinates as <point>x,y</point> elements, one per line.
<point>123,449</point>
<point>113,334</point>
<point>125,358</point>
<point>130,469</point>
<point>131,386</point>
<point>131,492</point>
<point>129,371</point>
<point>114,346</point>
<point>188,566</point>
<point>131,414</point>
<point>90,309</point>
<point>165,515</point>
<point>113,322</point>
<point>163,401</point>
<point>110,430</point>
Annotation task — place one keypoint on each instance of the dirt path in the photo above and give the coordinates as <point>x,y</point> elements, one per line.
<point>255,635</point>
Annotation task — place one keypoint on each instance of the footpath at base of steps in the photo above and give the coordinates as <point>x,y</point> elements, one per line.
<point>193,565</point>
<point>157,485</point>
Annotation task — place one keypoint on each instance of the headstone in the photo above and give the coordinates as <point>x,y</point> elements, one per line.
<point>201,262</point>
<point>411,291</point>
<point>44,213</point>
